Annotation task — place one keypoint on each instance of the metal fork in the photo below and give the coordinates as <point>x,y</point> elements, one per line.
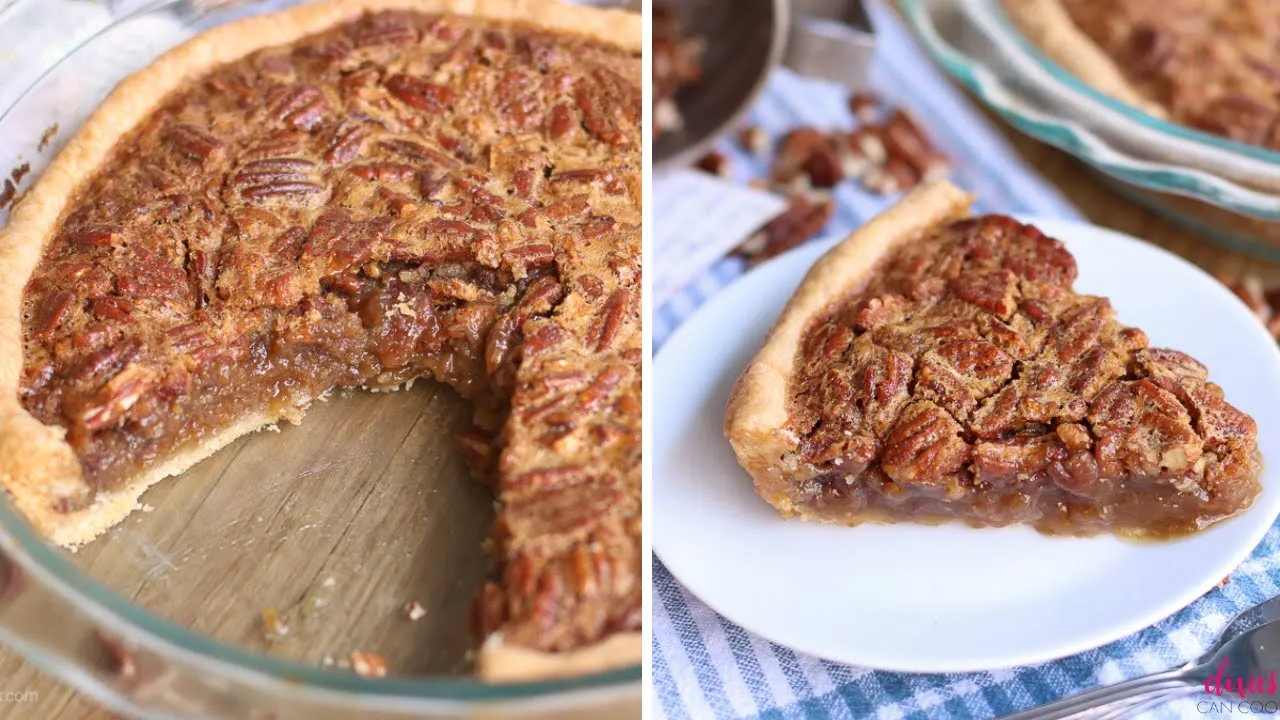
<point>1250,644</point>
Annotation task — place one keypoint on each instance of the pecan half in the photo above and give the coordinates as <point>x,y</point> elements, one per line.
<point>420,94</point>
<point>802,219</point>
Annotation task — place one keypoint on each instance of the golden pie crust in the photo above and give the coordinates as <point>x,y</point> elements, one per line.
<point>38,466</point>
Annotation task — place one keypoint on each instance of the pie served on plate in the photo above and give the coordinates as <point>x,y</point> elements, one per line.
<point>356,193</point>
<point>1209,64</point>
<point>935,366</point>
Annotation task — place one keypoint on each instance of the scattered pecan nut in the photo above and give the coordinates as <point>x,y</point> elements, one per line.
<point>414,611</point>
<point>809,152</point>
<point>905,141</point>
<point>865,107</point>
<point>716,163</point>
<point>893,177</point>
<point>754,140</point>
<point>803,218</point>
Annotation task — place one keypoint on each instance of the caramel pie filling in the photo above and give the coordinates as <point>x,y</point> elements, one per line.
<point>968,381</point>
<point>402,196</point>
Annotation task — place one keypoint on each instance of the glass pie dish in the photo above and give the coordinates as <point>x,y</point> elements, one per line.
<point>1227,191</point>
<point>248,587</point>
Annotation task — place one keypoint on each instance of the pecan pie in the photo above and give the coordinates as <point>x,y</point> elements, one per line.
<point>356,193</point>
<point>935,366</point>
<point>1209,64</point>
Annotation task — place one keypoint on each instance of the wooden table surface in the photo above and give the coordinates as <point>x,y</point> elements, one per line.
<point>54,700</point>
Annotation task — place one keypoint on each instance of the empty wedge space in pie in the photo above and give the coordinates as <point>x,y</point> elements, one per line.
<point>935,366</point>
<point>356,193</point>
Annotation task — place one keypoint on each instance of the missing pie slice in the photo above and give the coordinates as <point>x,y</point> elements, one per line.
<point>935,366</point>
<point>356,193</point>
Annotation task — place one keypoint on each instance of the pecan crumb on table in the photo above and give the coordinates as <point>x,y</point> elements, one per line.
<point>414,610</point>
<point>367,664</point>
<point>887,151</point>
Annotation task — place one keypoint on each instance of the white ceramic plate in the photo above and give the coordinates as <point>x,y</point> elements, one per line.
<point>950,598</point>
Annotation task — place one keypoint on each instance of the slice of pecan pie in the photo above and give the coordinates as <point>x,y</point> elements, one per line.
<point>935,366</point>
<point>356,193</point>
<point>1208,64</point>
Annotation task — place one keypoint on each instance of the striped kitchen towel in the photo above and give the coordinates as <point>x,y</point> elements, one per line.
<point>705,666</point>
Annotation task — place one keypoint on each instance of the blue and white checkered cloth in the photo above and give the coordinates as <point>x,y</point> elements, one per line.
<point>705,666</point>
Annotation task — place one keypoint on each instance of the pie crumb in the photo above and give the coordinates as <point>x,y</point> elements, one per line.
<point>414,610</point>
<point>274,625</point>
<point>47,137</point>
<point>367,664</point>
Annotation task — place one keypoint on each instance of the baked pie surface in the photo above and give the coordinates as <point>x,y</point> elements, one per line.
<point>935,366</point>
<point>1209,64</point>
<point>356,193</point>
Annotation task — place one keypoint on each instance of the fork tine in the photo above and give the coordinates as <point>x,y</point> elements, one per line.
<point>1132,712</point>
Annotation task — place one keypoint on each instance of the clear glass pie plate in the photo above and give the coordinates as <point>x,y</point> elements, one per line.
<point>1227,191</point>
<point>244,587</point>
